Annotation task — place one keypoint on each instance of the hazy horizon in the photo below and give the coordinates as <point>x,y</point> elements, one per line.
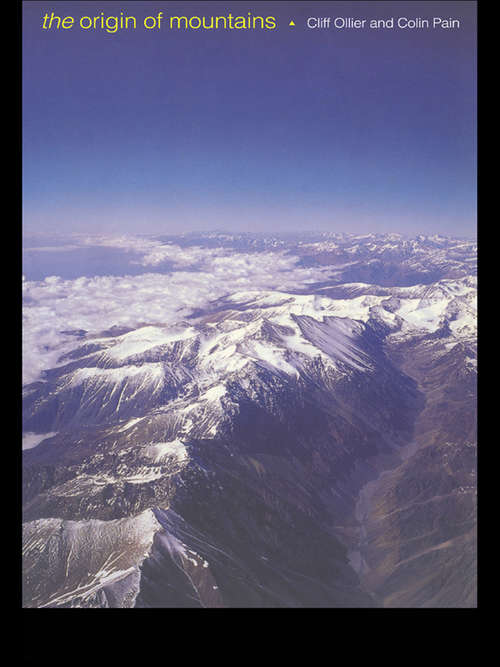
<point>166,232</point>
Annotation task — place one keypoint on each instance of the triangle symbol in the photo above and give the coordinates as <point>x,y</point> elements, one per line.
<point>291,23</point>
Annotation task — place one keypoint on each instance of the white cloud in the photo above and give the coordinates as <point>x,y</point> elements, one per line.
<point>155,252</point>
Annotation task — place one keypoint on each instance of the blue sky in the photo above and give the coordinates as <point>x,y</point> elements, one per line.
<point>165,131</point>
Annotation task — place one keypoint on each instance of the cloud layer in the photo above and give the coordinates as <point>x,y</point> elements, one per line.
<point>54,305</point>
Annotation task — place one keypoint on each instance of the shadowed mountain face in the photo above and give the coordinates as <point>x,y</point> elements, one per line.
<point>276,448</point>
<point>417,541</point>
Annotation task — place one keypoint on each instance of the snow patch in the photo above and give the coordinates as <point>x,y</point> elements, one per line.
<point>31,440</point>
<point>144,339</point>
<point>160,451</point>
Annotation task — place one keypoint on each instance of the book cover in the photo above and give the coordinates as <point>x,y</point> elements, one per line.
<point>249,305</point>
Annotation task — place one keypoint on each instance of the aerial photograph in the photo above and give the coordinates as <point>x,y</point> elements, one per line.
<point>249,324</point>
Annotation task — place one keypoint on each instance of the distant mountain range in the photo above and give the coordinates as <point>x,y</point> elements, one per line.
<point>308,447</point>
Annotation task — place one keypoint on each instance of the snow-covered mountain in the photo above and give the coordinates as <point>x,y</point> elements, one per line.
<point>220,458</point>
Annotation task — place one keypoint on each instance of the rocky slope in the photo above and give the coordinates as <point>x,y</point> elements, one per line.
<point>308,448</point>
